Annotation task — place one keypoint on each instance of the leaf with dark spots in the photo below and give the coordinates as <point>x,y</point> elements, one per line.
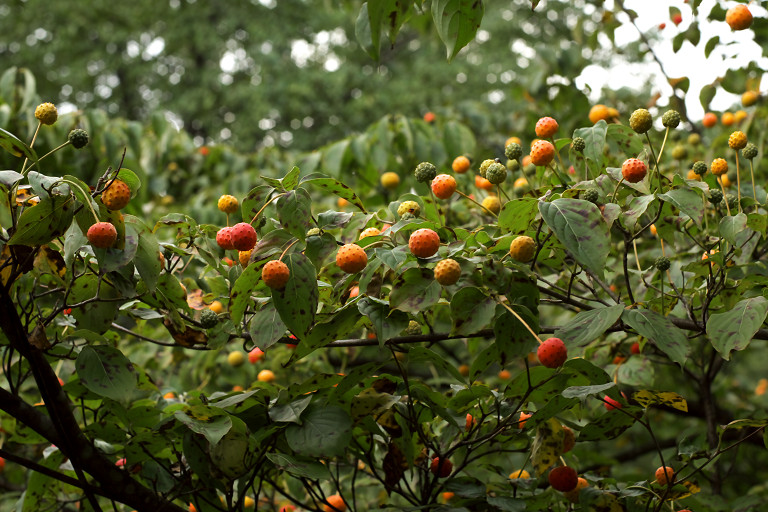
<point>334,186</point>
<point>106,371</point>
<point>611,424</point>
<point>415,290</point>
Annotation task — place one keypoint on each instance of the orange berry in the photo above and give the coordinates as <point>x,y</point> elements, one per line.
<point>522,249</point>
<point>471,421</point>
<point>573,495</point>
<point>599,112</point>
<point>390,180</point>
<point>692,175</point>
<point>370,232</point>
<point>216,307</point>
<point>520,473</point>
<point>335,504</point>
<point>275,274</point>
<point>738,17</point>
<point>116,196</point>
<point>443,186</point>
<point>169,395</point>
<point>227,203</point>
<point>569,439</point>
<point>429,117</point>
<point>653,229</point>
<point>244,257</point>
<point>351,258</point>
<point>546,127</point>
<point>709,120</point>
<point>749,98</point>
<point>504,375</point>
<point>739,116</point>
<point>266,376</point>
<point>448,496</point>
<point>441,467</point>
<point>447,272</point>
<point>341,202</point>
<point>664,475</point>
<point>464,370</point>
<point>762,387</point>
<point>460,164</point>
<point>483,183</point>
<point>424,243</point>
<point>737,140</point>
<point>725,180</point>
<point>512,139</point>
<point>354,292</point>
<point>255,355</point>
<point>102,235</point>
<point>728,119</point>
<point>633,170</point>
<point>719,166</point>
<point>542,153</point>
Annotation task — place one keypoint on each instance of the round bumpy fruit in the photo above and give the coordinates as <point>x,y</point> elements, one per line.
<point>520,186</point>
<point>425,172</point>
<point>709,120</point>
<point>522,249</point>
<point>78,138</point>
<point>275,274</point>
<point>546,127</point>
<point>599,112</point>
<point>578,144</point>
<point>441,467</point>
<point>411,207</point>
<point>227,203</point>
<point>496,173</point>
<point>749,98</point>
<point>447,272</point>
<point>700,168</point>
<point>750,151</point>
<point>737,140</point>
<point>715,196</point>
<point>520,473</point>
<point>671,119</point>
<point>443,186</point>
<point>719,166</point>
<point>102,235</point>
<point>46,113</point>
<point>460,164</point>
<point>390,180</point>
<point>335,503</point>
<point>483,183</point>
<point>592,195</point>
<point>563,478</point>
<point>369,232</point>
<point>694,139</point>
<point>243,236</point>
<point>728,119</point>
<point>662,263</point>
<point>679,152</point>
<point>224,238</point>
<point>351,258</point>
<point>208,319</point>
<point>244,257</point>
<point>116,196</point>
<point>640,120</point>
<point>664,475</point>
<point>485,165</point>
<point>413,328</point>
<point>552,353</point>
<point>542,153</point>
<point>633,170</point>
<point>424,243</point>
<point>738,17</point>
<point>513,151</point>
<point>492,203</point>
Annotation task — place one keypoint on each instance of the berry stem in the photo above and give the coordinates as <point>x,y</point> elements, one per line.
<point>752,175</point>
<point>653,155</point>
<point>725,199</point>
<point>557,174</point>
<point>559,158</point>
<point>24,172</point>
<point>503,192</point>
<point>514,313</point>
<point>437,206</point>
<point>738,179</point>
<point>262,209</point>
<point>32,143</point>
<point>286,249</point>
<point>478,204</point>
<point>616,190</point>
<point>86,194</point>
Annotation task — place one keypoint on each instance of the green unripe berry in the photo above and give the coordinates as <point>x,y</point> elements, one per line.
<point>425,172</point>
<point>578,144</point>
<point>715,196</point>
<point>411,207</point>
<point>496,173</point>
<point>413,329</point>
<point>750,151</point>
<point>484,166</point>
<point>679,152</point>
<point>208,319</point>
<point>513,151</point>
<point>529,170</point>
<point>313,232</point>
<point>78,138</point>
<point>700,168</point>
<point>694,139</point>
<point>662,263</point>
<point>407,216</point>
<point>513,165</point>
<point>732,201</point>
<point>591,195</point>
<point>640,121</point>
<point>671,119</point>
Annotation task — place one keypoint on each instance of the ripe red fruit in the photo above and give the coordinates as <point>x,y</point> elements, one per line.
<point>429,117</point>
<point>664,475</point>
<point>523,418</point>
<point>738,17</point>
<point>116,196</point>
<point>633,170</point>
<point>569,439</point>
<point>542,152</point>
<point>677,19</point>
<point>443,186</point>
<point>611,404</point>
<point>255,355</point>
<point>243,236</point>
<point>546,127</point>
<point>424,243</point>
<point>441,467</point>
<point>102,235</point>
<point>224,239</point>
<point>351,258</point>
<point>635,349</point>
<point>552,353</point>
<point>275,274</point>
<point>662,26</point>
<point>2,464</point>
<point>563,478</point>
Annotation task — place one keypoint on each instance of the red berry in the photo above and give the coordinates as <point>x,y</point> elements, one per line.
<point>102,235</point>
<point>224,239</point>
<point>611,404</point>
<point>662,26</point>
<point>441,467</point>
<point>542,152</point>
<point>424,243</point>
<point>677,19</point>
<point>255,355</point>
<point>275,274</point>
<point>351,258</point>
<point>243,236</point>
<point>635,349</point>
<point>546,127</point>
<point>664,475</point>
<point>633,170</point>
<point>552,353</point>
<point>563,478</point>
<point>443,186</point>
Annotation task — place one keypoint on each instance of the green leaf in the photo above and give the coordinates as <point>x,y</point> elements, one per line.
<point>471,310</point>
<point>706,95</point>
<point>241,291</point>
<point>291,179</point>
<point>9,178</point>
<point>732,226</point>
<point>328,184</point>
<point>41,223</point>
<point>255,201</point>
<point>16,147</point>
<point>266,326</point>
<point>368,32</point>
<point>660,330</point>
<point>711,45</point>
<point>297,301</point>
<point>622,138</point>
<point>129,177</point>
<point>458,139</point>
<point>294,466</point>
<point>114,258</point>
<point>415,290</point>
<point>611,424</point>
<point>211,422</point>
<point>417,356</point>
<point>457,22</point>
<point>647,398</point>
<point>688,201</point>
<point>339,324</point>
<point>516,215</point>
<point>294,209</point>
<point>579,225</point>
<point>585,391</point>
<point>757,222</point>
<point>587,326</point>
<point>147,259</point>
<point>734,329</point>
<point>635,209</point>
<point>594,137</point>
<point>94,316</point>
<point>325,431</point>
<point>512,338</point>
<point>290,412</point>
<point>387,322</point>
<point>106,371</point>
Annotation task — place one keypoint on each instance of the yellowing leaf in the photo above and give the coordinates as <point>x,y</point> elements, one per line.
<point>547,445</point>
<point>647,398</point>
